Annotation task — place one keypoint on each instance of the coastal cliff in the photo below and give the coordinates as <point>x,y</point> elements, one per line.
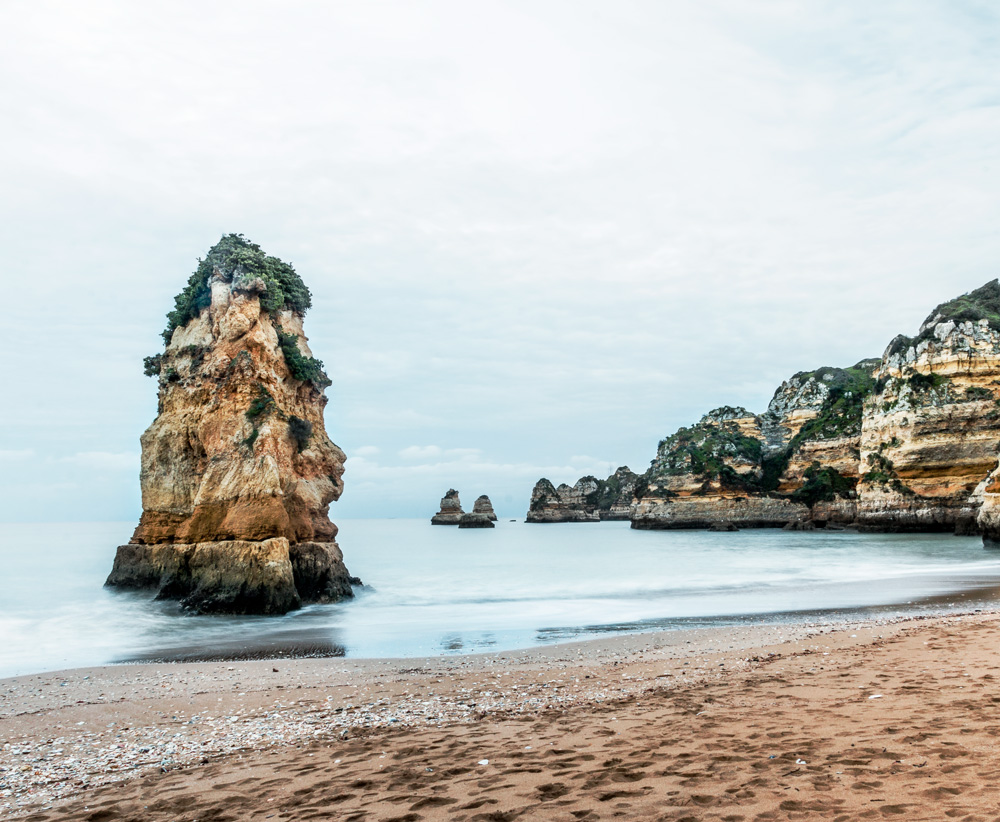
<point>237,470</point>
<point>932,425</point>
<point>588,500</point>
<point>907,442</point>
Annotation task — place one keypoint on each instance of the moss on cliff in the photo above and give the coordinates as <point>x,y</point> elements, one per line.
<point>840,414</point>
<point>705,450</point>
<point>823,484</point>
<point>306,369</point>
<point>981,304</point>
<point>243,262</point>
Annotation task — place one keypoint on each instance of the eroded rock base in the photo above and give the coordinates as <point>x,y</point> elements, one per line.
<point>236,576</point>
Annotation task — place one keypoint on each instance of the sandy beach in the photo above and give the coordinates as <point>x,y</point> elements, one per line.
<point>869,720</point>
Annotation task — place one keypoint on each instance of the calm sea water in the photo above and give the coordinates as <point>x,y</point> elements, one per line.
<point>440,590</point>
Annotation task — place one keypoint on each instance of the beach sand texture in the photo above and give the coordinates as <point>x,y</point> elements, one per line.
<point>875,721</point>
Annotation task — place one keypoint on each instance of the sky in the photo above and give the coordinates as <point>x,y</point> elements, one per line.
<point>540,235</point>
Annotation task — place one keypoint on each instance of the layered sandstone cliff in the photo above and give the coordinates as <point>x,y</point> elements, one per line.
<point>906,442</point>
<point>797,462</point>
<point>932,425</point>
<point>237,469</point>
<point>588,500</point>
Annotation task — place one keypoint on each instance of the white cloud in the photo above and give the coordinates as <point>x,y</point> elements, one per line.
<point>420,452</point>
<point>19,454</point>
<point>366,451</point>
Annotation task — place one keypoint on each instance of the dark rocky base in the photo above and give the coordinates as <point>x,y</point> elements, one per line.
<point>722,526</point>
<point>562,516</point>
<point>476,521</point>
<point>446,519</point>
<point>653,524</point>
<point>237,576</point>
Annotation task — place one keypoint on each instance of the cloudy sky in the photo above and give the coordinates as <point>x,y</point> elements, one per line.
<point>540,235</point>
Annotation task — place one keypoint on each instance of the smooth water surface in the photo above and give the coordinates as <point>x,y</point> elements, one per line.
<point>437,589</point>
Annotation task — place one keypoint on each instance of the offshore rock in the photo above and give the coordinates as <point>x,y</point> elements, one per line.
<point>563,504</point>
<point>589,500</point>
<point>475,520</point>
<point>237,470</point>
<point>722,526</point>
<point>451,509</point>
<point>482,505</point>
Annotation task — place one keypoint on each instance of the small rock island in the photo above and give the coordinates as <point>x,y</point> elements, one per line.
<point>451,509</point>
<point>238,472</point>
<point>483,506</point>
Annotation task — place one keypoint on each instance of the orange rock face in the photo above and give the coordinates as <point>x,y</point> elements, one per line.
<point>238,450</point>
<point>212,468</point>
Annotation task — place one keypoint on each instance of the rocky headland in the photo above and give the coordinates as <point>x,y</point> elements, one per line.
<point>451,509</point>
<point>237,470</point>
<point>588,500</point>
<point>907,442</point>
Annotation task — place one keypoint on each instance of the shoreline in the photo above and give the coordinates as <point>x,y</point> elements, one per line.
<point>81,730</point>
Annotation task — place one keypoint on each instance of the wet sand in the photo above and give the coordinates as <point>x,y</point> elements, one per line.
<point>771,723</point>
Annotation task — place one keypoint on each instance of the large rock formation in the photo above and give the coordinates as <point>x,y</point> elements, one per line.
<point>589,500</point>
<point>237,470</point>
<point>483,506</point>
<point>906,442</point>
<point>795,462</point>
<point>451,509</point>
<point>932,426</point>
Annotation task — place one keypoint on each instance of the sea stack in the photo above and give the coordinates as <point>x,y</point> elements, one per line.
<point>483,506</point>
<point>237,469</point>
<point>451,509</point>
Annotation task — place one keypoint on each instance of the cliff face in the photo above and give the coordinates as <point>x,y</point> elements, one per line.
<point>238,457</point>
<point>589,500</point>
<point>796,462</point>
<point>932,428</point>
<point>906,442</point>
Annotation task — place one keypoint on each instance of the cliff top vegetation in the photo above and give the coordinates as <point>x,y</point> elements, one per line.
<point>240,260</point>
<point>981,304</point>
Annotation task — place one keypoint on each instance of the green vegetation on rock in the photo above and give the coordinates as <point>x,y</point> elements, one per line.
<point>705,450</point>
<point>151,365</point>
<point>840,414</point>
<point>981,304</point>
<point>306,369</point>
<point>300,431</point>
<point>823,484</point>
<point>243,262</point>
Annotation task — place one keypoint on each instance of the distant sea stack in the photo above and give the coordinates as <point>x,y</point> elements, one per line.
<point>237,469</point>
<point>589,500</point>
<point>451,509</point>
<point>907,442</point>
<point>483,506</point>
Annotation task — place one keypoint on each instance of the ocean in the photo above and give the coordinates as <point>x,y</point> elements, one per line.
<point>432,590</point>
